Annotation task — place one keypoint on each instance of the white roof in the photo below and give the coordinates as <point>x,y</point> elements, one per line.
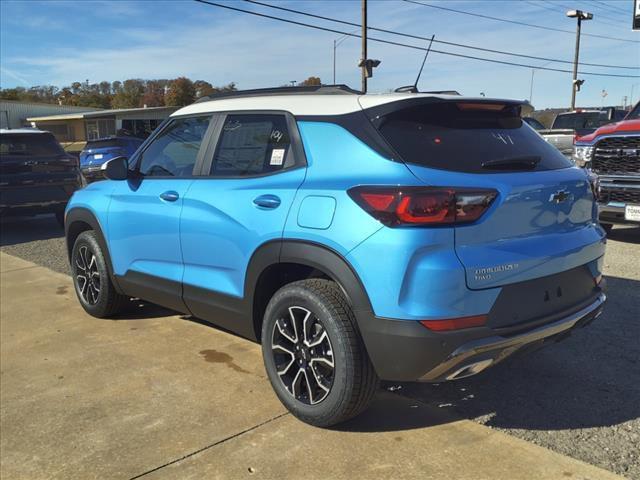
<point>311,104</point>
<point>21,130</point>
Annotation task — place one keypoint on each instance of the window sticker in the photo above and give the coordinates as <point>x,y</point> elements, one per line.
<point>277,156</point>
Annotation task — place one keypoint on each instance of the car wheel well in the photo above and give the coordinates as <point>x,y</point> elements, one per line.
<point>272,279</point>
<point>74,231</point>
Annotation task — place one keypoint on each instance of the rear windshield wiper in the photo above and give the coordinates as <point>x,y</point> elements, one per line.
<point>527,162</point>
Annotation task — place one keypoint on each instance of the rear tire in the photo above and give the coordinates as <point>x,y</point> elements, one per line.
<point>91,279</point>
<point>322,374</point>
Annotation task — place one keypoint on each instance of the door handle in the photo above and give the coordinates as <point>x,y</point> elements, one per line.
<point>267,201</point>
<point>169,196</point>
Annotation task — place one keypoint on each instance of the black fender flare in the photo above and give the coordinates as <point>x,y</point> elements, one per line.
<point>77,215</point>
<point>316,256</point>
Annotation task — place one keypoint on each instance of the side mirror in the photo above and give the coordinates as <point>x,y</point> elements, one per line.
<point>116,168</point>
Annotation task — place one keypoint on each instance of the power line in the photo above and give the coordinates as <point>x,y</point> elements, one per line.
<point>418,37</point>
<point>610,8</point>
<point>516,22</point>
<point>414,47</point>
<point>615,22</point>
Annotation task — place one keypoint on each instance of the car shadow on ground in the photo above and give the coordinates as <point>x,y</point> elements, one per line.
<point>15,230</point>
<point>591,379</point>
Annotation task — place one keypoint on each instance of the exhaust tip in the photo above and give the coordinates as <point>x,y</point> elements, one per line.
<point>470,369</point>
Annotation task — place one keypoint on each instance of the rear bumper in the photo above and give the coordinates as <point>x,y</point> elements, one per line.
<point>407,351</point>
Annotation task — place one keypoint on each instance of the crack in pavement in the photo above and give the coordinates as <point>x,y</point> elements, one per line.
<point>231,437</point>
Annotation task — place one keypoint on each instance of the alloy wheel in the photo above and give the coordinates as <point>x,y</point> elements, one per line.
<point>87,275</point>
<point>303,355</point>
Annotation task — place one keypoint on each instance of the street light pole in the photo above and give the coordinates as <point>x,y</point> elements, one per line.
<point>364,46</point>
<point>334,61</point>
<point>575,84</point>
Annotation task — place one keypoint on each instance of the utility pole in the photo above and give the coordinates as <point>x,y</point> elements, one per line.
<point>364,47</point>
<point>575,84</point>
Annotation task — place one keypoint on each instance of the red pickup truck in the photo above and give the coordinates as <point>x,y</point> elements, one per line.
<point>612,154</point>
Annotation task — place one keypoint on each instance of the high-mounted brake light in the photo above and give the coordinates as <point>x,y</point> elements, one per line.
<point>455,323</point>
<point>423,206</point>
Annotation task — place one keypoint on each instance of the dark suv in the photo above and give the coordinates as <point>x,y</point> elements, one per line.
<point>36,174</point>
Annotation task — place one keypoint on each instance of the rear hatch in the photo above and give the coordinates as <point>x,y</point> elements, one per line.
<point>543,219</point>
<point>97,152</point>
<point>29,157</point>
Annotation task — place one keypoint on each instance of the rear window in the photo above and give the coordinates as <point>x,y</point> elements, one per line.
<point>463,137</point>
<point>106,143</point>
<point>29,144</point>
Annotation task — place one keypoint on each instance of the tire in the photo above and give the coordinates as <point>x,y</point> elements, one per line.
<point>96,292</point>
<point>311,389</point>
<point>607,227</point>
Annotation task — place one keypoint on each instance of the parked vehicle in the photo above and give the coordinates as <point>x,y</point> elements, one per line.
<point>97,152</point>
<point>568,126</point>
<point>357,237</point>
<point>612,155</point>
<point>36,174</point>
<point>533,123</point>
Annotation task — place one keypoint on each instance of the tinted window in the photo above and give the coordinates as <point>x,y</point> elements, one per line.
<point>533,123</point>
<point>174,151</point>
<point>252,145</point>
<point>463,136</point>
<point>30,144</point>
<point>634,114</point>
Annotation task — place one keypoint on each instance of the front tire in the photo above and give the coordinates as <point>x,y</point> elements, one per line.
<point>314,355</point>
<point>91,280</point>
<point>607,227</point>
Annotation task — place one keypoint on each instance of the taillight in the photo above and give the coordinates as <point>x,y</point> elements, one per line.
<point>449,324</point>
<point>407,206</point>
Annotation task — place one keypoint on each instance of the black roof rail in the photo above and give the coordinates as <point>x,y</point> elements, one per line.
<point>302,90</point>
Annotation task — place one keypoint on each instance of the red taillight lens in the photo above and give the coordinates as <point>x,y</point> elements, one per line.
<point>455,323</point>
<point>395,206</point>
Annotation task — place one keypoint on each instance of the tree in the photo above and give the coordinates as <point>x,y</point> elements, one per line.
<point>311,81</point>
<point>130,95</point>
<point>181,92</point>
<point>153,94</point>
<point>203,88</point>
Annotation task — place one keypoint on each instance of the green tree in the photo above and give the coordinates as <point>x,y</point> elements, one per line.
<point>181,92</point>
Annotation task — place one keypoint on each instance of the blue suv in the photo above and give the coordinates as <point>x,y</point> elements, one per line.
<point>97,152</point>
<point>357,237</point>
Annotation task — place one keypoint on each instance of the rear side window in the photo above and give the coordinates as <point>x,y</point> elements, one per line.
<point>252,144</point>
<point>466,137</point>
<point>29,144</point>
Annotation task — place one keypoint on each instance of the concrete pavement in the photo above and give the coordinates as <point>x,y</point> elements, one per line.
<point>155,395</point>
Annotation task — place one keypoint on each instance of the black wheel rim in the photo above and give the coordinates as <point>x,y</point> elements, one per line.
<point>87,275</point>
<point>303,355</point>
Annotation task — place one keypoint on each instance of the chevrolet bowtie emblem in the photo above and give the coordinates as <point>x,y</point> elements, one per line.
<point>559,197</point>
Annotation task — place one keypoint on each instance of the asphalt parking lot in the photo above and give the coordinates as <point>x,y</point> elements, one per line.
<point>579,398</point>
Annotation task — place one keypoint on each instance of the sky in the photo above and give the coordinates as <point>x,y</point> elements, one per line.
<point>59,42</point>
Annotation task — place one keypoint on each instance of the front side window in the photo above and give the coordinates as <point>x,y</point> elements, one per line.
<point>174,151</point>
<point>252,144</point>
